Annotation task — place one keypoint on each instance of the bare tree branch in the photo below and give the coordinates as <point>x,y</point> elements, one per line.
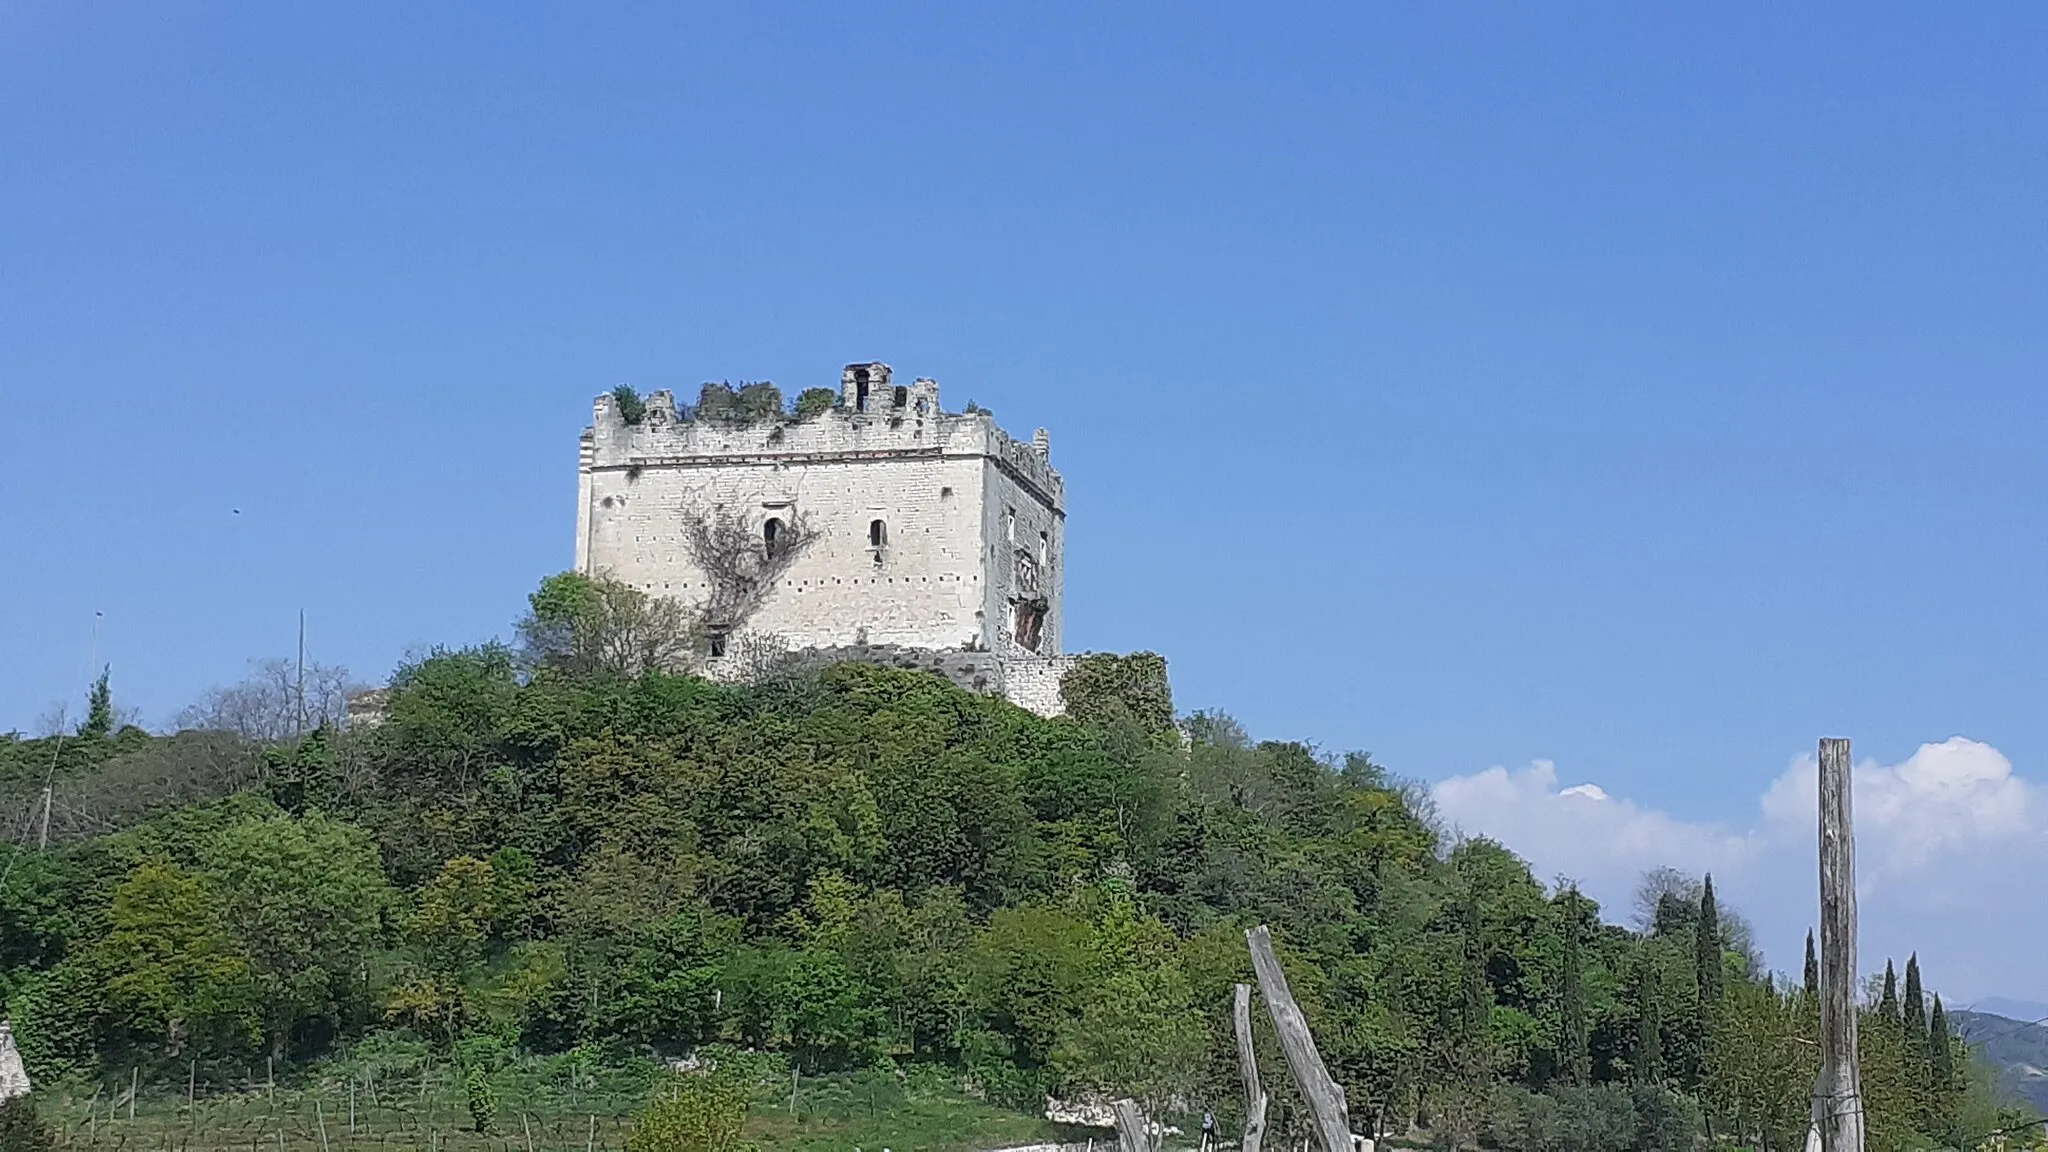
<point>740,563</point>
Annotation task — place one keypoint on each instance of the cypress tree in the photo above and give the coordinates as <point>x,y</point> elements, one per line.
<point>1942,1088</point>
<point>1476,1012</point>
<point>1648,1056</point>
<point>1707,960</point>
<point>1941,1063</point>
<point>1812,988</point>
<point>1575,1058</point>
<point>1915,1009</point>
<point>1888,1001</point>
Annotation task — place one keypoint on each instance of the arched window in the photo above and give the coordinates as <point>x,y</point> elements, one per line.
<point>771,535</point>
<point>878,534</point>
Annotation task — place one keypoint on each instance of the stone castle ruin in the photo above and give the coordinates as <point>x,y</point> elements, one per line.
<point>871,525</point>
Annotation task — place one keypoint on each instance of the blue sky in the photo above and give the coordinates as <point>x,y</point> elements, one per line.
<point>1642,392</point>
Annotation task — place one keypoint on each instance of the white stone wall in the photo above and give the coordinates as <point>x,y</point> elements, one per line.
<point>1033,682</point>
<point>943,485</point>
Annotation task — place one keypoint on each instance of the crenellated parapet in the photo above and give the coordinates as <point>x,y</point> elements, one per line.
<point>874,419</point>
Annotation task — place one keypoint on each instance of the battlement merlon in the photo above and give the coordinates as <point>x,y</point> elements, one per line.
<point>883,430</point>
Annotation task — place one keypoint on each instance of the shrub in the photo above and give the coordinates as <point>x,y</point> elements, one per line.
<point>21,1130</point>
<point>692,1113</point>
<point>1602,1118</point>
<point>813,402</point>
<point>749,404</point>
<point>481,1098</point>
<point>632,409</point>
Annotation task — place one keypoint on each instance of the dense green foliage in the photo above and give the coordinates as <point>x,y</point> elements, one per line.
<point>632,408</point>
<point>722,403</point>
<point>867,868</point>
<point>812,402</point>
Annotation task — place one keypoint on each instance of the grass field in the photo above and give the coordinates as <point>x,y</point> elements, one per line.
<point>546,1105</point>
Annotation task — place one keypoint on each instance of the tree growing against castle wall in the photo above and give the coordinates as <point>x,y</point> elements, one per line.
<point>588,625</point>
<point>741,563</point>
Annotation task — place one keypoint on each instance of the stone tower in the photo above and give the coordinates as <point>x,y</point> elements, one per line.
<point>921,529</point>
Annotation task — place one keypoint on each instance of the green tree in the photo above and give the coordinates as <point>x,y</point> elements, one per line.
<point>1914,1010</point>
<point>1888,999</point>
<point>1760,1067</point>
<point>1707,963</point>
<point>456,917</point>
<point>1944,1086</point>
<point>304,898</point>
<point>587,625</point>
<point>99,708</point>
<point>172,971</point>
<point>1646,1057</point>
<point>1574,1057</point>
<point>1811,986</point>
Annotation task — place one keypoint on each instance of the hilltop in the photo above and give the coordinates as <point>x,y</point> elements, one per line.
<point>544,871</point>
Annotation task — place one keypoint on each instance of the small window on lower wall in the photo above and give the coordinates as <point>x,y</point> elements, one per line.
<point>878,534</point>
<point>717,645</point>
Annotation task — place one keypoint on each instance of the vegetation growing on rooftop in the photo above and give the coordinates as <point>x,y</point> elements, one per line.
<point>813,402</point>
<point>749,403</point>
<point>632,409</point>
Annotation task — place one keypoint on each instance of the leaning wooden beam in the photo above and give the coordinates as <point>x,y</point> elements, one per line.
<point>1133,1134</point>
<point>1841,1098</point>
<point>1324,1096</point>
<point>1248,1071</point>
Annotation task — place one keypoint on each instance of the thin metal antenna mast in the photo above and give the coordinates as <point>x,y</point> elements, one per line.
<point>302,674</point>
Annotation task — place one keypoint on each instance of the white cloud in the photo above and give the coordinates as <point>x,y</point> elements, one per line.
<point>1947,848</point>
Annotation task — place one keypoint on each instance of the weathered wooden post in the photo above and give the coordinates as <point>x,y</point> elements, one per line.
<point>1324,1095</point>
<point>1133,1128</point>
<point>1248,1071</point>
<point>1839,1101</point>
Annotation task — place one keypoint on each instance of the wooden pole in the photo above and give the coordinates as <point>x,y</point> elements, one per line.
<point>1840,1100</point>
<point>1133,1133</point>
<point>1324,1095</point>
<point>1248,1072</point>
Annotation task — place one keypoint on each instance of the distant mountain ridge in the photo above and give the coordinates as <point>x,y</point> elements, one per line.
<point>2034,1010</point>
<point>2017,1047</point>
